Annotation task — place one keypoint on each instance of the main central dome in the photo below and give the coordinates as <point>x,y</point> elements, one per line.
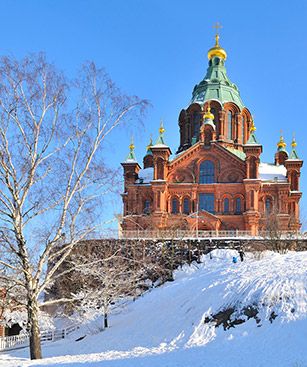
<point>216,85</point>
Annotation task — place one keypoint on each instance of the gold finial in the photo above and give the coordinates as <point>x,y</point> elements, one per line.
<point>253,127</point>
<point>217,37</point>
<point>217,26</point>
<point>150,143</point>
<point>294,143</point>
<point>131,146</point>
<point>281,143</point>
<point>161,129</point>
<point>208,114</point>
<point>217,50</point>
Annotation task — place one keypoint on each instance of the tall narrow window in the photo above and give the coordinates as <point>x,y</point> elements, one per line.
<point>147,206</point>
<point>175,206</point>
<point>252,196</point>
<point>186,206</point>
<point>196,125</point>
<point>213,111</point>
<point>206,172</point>
<point>243,130</point>
<point>229,125</point>
<point>268,205</point>
<point>238,206</point>
<point>226,205</point>
<point>206,202</point>
<point>208,136</point>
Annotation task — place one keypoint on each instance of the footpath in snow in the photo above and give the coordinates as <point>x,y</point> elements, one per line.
<point>261,305</point>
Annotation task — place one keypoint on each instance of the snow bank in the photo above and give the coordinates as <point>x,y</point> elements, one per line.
<point>167,327</point>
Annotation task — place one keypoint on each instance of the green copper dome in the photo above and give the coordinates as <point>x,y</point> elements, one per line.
<point>216,85</point>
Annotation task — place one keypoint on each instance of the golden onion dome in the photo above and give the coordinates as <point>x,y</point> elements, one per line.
<point>293,144</point>
<point>253,127</point>
<point>281,144</point>
<point>161,129</point>
<point>131,146</point>
<point>217,50</point>
<point>208,114</point>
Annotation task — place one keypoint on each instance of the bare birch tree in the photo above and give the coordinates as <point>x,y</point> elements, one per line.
<point>105,282</point>
<point>51,168</point>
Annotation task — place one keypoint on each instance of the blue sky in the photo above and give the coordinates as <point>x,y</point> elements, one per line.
<point>157,49</point>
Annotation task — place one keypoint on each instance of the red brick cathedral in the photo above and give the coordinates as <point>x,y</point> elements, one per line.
<point>216,180</point>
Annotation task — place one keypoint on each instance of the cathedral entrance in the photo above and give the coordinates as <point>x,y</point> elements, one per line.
<point>204,221</point>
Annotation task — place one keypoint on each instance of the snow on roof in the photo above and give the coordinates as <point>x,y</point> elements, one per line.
<point>129,160</point>
<point>267,172</point>
<point>160,146</point>
<point>270,172</point>
<point>145,175</point>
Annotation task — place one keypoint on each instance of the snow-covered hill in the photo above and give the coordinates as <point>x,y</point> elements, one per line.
<point>175,324</point>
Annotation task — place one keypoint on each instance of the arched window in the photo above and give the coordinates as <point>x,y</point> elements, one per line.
<point>238,206</point>
<point>175,206</point>
<point>147,206</point>
<point>213,111</point>
<point>268,205</point>
<point>208,136</point>
<point>206,172</point>
<point>148,161</point>
<point>196,125</point>
<point>243,130</point>
<point>229,125</point>
<point>186,206</point>
<point>226,205</point>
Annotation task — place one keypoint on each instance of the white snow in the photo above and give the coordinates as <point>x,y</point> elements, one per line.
<point>270,172</point>
<point>159,146</point>
<point>166,326</point>
<point>130,160</point>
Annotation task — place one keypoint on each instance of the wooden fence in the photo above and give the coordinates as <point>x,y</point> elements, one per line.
<point>22,340</point>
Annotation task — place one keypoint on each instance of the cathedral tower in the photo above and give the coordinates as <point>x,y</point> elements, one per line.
<point>217,180</point>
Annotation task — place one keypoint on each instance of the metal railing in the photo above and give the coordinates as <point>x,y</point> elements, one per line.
<point>186,234</point>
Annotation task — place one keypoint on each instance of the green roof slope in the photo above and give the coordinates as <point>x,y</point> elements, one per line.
<point>216,85</point>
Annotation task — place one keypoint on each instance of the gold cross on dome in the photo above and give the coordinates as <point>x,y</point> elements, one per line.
<point>217,26</point>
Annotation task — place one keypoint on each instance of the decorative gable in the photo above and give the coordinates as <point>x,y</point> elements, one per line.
<point>229,168</point>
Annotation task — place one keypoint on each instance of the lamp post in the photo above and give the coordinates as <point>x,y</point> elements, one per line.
<point>197,217</point>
